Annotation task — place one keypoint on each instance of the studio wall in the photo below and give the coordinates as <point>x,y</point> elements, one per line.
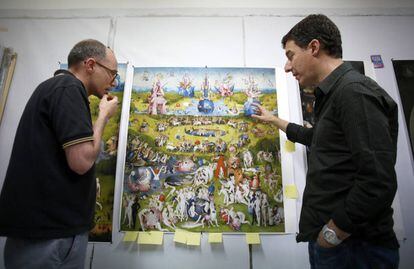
<point>213,41</point>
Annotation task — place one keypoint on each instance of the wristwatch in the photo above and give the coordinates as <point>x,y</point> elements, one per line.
<point>330,236</point>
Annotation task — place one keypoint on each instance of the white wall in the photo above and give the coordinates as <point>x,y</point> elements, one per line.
<point>60,4</point>
<point>224,40</point>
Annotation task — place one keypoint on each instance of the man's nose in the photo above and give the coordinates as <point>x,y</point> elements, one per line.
<point>114,83</point>
<point>288,67</point>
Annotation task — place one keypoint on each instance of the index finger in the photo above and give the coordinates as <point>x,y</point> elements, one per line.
<point>114,98</point>
<point>259,106</point>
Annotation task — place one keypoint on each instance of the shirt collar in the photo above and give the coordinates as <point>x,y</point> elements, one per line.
<point>62,72</point>
<point>328,83</point>
<point>67,72</point>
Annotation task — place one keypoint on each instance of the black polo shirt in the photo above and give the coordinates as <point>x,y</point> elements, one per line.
<point>41,196</point>
<point>351,177</point>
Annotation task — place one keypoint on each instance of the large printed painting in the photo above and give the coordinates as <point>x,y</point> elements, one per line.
<point>105,165</point>
<point>195,159</point>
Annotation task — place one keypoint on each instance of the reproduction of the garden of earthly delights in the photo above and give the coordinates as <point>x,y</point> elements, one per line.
<point>195,159</point>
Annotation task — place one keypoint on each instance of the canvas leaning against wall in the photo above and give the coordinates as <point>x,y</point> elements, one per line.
<point>105,165</point>
<point>7,64</point>
<point>195,159</point>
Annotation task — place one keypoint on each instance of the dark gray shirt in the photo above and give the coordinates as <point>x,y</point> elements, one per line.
<point>351,177</point>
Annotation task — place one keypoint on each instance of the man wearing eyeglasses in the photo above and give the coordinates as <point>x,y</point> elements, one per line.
<point>48,197</point>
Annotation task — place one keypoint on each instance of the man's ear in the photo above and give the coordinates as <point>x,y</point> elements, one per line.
<point>315,47</point>
<point>89,65</point>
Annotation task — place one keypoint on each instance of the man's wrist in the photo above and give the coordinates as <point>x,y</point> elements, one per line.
<point>330,236</point>
<point>277,121</point>
<point>105,118</point>
<point>342,235</point>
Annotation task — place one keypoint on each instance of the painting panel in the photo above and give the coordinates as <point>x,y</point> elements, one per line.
<point>195,158</point>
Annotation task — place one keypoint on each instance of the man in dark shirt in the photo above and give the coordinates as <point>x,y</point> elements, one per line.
<point>48,196</point>
<point>346,213</point>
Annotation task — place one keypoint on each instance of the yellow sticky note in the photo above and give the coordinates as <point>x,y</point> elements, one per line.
<point>130,236</point>
<point>180,236</point>
<point>150,238</point>
<point>193,239</point>
<point>291,191</point>
<point>144,238</point>
<point>252,238</point>
<point>290,146</point>
<point>215,237</point>
<point>157,237</point>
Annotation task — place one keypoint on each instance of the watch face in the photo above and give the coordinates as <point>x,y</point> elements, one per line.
<point>329,236</point>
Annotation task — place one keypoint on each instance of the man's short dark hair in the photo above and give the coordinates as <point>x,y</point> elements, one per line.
<point>320,27</point>
<point>89,48</point>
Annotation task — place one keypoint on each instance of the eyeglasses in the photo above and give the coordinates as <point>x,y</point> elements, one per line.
<point>114,73</point>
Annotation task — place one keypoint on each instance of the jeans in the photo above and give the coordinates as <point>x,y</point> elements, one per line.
<point>352,254</point>
<point>63,253</point>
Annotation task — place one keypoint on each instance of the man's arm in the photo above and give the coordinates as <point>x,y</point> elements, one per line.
<point>82,156</point>
<point>371,137</point>
<point>294,132</point>
<point>267,116</point>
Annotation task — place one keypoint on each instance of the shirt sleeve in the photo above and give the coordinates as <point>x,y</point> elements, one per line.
<point>300,134</point>
<point>364,115</point>
<point>71,117</point>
